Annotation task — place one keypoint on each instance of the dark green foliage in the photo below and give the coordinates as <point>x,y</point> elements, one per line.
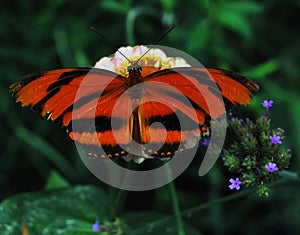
<point>74,211</point>
<point>60,211</point>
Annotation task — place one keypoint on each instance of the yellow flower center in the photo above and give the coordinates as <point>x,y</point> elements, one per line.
<point>147,60</point>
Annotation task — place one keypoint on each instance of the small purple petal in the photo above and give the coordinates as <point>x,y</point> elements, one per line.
<point>271,102</point>
<point>96,226</point>
<point>235,184</point>
<point>205,142</point>
<point>275,139</point>
<point>267,104</point>
<point>271,167</point>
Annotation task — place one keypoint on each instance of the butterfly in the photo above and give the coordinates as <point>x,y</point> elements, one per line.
<point>111,113</point>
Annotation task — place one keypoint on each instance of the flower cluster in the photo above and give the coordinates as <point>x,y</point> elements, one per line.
<point>253,152</point>
<point>109,228</point>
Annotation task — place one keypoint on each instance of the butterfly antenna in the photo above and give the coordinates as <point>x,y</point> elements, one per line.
<point>164,35</point>
<point>108,42</point>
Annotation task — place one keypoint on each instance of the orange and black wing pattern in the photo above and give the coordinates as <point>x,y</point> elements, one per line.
<point>81,99</point>
<point>88,101</point>
<point>208,91</point>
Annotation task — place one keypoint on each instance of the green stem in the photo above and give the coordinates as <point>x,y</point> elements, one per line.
<point>176,208</point>
<point>188,213</point>
<point>117,198</point>
<point>119,201</point>
<point>287,175</point>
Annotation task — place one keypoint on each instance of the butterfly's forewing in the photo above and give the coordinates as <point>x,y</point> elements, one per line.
<point>200,86</point>
<point>235,88</point>
<point>53,94</point>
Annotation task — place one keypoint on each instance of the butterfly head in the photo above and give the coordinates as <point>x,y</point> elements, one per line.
<point>134,68</point>
<point>135,74</point>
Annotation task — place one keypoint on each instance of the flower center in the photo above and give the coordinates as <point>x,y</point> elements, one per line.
<point>150,60</point>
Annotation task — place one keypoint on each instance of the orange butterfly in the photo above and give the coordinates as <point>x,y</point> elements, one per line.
<point>121,115</point>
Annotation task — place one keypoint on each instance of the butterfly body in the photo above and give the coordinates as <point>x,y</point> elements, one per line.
<point>104,110</point>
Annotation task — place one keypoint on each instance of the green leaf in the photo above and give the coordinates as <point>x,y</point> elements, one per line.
<point>168,5</point>
<point>236,22</point>
<point>56,181</point>
<point>263,69</point>
<point>62,211</point>
<point>235,16</point>
<point>244,7</point>
<point>198,37</point>
<point>115,6</point>
<point>152,223</point>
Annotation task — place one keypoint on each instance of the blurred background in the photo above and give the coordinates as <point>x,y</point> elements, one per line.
<point>257,38</point>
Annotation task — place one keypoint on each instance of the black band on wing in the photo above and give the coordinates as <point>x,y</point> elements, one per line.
<point>67,77</point>
<point>252,86</point>
<point>99,124</point>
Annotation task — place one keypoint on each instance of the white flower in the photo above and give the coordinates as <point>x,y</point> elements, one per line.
<point>154,57</point>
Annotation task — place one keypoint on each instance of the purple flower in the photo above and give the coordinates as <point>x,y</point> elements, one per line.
<point>271,167</point>
<point>248,120</point>
<point>98,227</point>
<point>275,139</point>
<point>235,184</point>
<point>205,142</point>
<point>247,135</point>
<point>267,104</point>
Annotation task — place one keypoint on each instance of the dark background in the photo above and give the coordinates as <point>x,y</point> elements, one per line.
<point>258,39</point>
